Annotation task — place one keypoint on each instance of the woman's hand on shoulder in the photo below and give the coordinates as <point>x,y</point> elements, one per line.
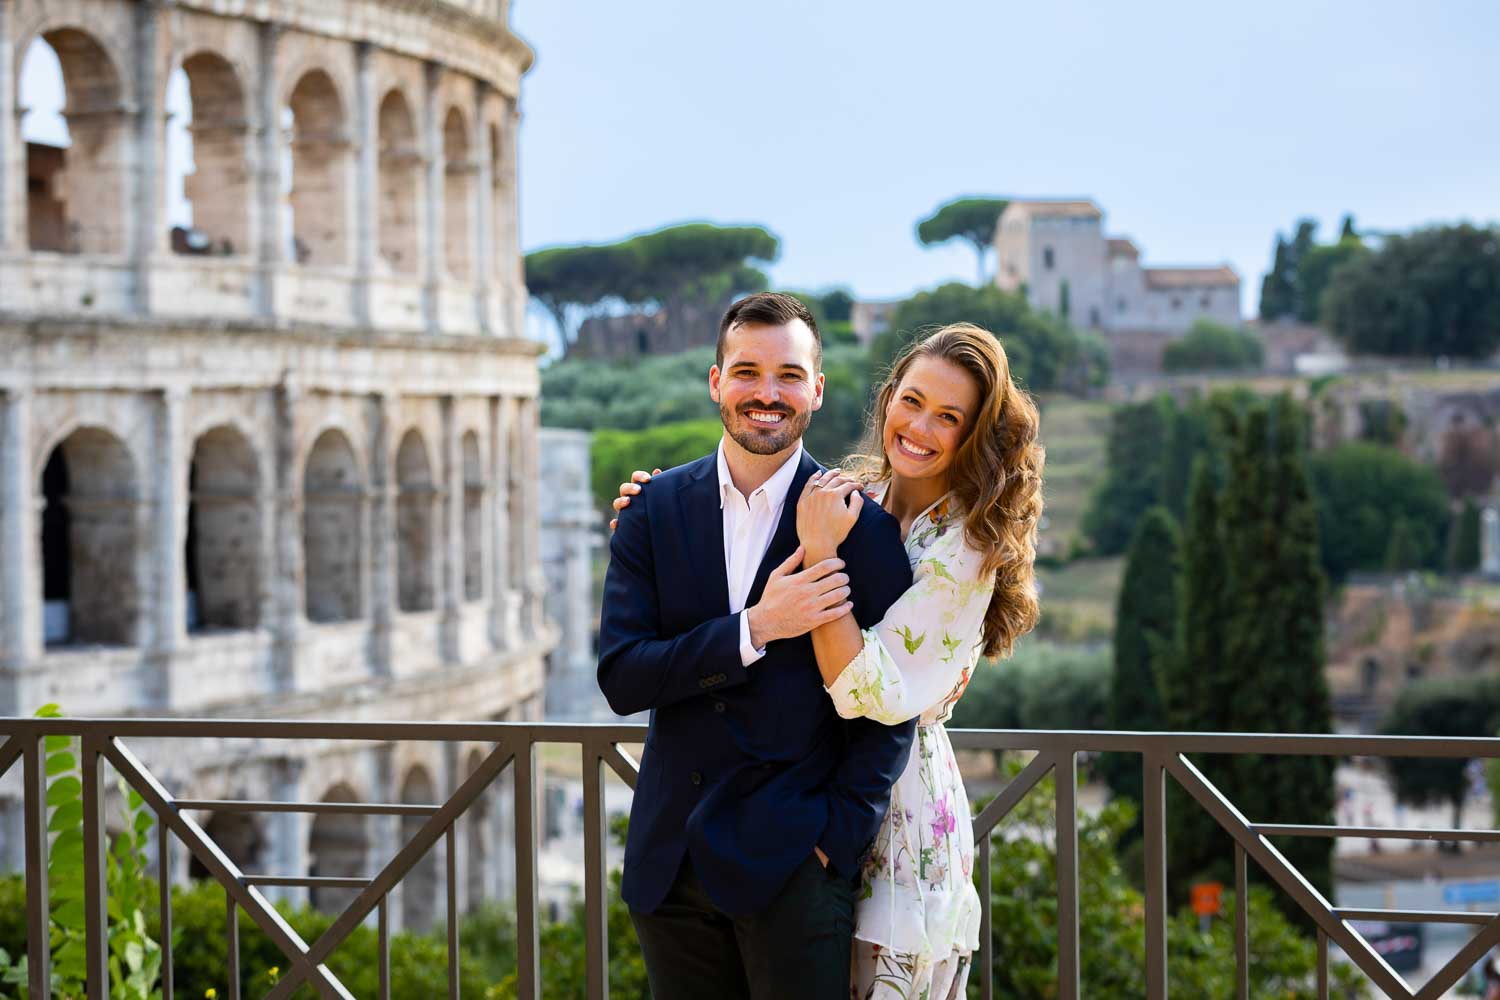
<point>628,490</point>
<point>827,510</point>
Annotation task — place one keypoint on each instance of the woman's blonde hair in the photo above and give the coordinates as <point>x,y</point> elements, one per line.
<point>996,475</point>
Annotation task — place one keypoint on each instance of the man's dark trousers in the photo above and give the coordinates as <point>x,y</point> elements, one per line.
<point>745,770</point>
<point>797,947</point>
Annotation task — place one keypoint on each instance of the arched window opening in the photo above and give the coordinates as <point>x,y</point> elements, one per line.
<point>223,540</point>
<point>207,172</point>
<point>88,542</point>
<point>421,888</point>
<point>337,848</point>
<point>400,174</point>
<point>473,539</point>
<point>332,532</point>
<point>318,186</point>
<point>74,127</point>
<point>415,500</point>
<point>458,171</point>
<point>240,838</point>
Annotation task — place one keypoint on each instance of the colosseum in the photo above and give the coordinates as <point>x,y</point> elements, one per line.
<point>274,457</point>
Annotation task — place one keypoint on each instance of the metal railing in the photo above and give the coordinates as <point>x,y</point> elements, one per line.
<point>513,746</point>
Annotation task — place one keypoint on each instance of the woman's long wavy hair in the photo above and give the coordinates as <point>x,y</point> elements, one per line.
<point>996,476</point>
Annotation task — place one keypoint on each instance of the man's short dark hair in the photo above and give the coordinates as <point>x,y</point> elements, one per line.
<point>769,309</point>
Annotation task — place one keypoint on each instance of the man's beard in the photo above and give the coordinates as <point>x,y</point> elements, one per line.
<point>767,441</point>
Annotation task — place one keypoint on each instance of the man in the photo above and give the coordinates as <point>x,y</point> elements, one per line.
<point>755,801</point>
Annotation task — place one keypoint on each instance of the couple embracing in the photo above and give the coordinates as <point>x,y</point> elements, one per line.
<point>799,636</point>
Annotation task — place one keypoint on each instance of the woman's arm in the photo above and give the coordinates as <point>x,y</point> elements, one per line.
<point>921,651</point>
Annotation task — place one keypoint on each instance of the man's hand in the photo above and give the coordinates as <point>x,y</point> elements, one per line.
<point>795,603</point>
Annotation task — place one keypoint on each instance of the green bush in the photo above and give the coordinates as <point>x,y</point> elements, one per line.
<point>1364,491</point>
<point>1211,346</point>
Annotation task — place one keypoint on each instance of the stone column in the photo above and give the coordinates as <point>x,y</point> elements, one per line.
<point>381,543</point>
<point>288,833</point>
<point>288,570</point>
<point>384,832</point>
<point>367,152</point>
<point>533,579</point>
<point>169,572</point>
<point>143,185</point>
<point>12,149</point>
<point>1489,542</point>
<point>432,145</point>
<point>267,222</point>
<point>502,629</point>
<point>450,497</point>
<point>513,274</point>
<point>484,215</point>
<point>21,614</point>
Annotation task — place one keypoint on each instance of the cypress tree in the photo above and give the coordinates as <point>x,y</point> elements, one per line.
<point>1145,619</point>
<point>1274,639</point>
<point>1401,550</point>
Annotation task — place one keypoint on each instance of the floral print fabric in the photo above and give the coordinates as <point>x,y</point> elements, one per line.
<point>917,899</point>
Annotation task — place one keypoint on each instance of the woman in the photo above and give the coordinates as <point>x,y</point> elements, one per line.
<point>959,466</point>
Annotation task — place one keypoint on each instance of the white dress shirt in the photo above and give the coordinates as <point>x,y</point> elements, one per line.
<point>749,524</point>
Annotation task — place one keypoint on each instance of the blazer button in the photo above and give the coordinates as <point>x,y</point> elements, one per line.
<point>718,706</point>
<point>696,778</point>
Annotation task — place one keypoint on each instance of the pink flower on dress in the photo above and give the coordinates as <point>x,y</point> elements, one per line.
<point>944,822</point>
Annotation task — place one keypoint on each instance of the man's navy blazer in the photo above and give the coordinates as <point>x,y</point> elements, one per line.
<point>745,769</point>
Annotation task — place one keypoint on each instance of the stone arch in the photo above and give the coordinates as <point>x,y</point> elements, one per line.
<point>421,887</point>
<point>332,530</point>
<point>458,191</point>
<point>473,537</point>
<point>89,539</point>
<point>224,532</point>
<point>416,500</point>
<point>239,836</point>
<point>76,182</point>
<point>216,132</point>
<point>338,847</point>
<point>477,841</point>
<point>400,183</point>
<point>319,171</point>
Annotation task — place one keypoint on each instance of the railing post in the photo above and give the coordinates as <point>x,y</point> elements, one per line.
<point>450,840</point>
<point>1241,924</point>
<point>986,964</point>
<point>38,931</point>
<point>1156,876</point>
<point>95,889</point>
<point>528,940</point>
<point>164,880</point>
<point>595,905</point>
<point>1066,770</point>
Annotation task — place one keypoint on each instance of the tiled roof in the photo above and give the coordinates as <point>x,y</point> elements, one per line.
<point>1166,278</point>
<point>1046,206</point>
<point>1121,247</point>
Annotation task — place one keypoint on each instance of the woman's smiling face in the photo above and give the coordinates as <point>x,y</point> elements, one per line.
<point>928,418</point>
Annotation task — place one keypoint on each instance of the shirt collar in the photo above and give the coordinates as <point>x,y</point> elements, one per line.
<point>775,488</point>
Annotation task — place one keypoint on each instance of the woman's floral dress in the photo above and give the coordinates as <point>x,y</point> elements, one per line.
<point>917,911</point>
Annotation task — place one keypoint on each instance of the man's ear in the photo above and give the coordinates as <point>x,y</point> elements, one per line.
<point>713,382</point>
<point>818,392</point>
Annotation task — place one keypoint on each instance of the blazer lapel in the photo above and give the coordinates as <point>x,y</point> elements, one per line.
<point>784,541</point>
<point>703,520</point>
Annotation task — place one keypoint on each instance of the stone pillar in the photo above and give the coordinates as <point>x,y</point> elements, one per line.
<point>288,571</point>
<point>450,497</point>
<point>381,543</point>
<point>512,267</point>
<point>484,215</point>
<point>288,833</point>
<point>432,146</point>
<point>12,149</point>
<point>20,559</point>
<point>453,776</point>
<point>267,221</point>
<point>502,627</point>
<point>168,571</point>
<point>384,832</point>
<point>144,200</point>
<point>366,165</point>
<point>533,580</point>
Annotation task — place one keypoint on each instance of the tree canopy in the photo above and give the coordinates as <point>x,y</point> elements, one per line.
<point>1432,293</point>
<point>972,220</point>
<point>697,261</point>
<point>1213,346</point>
<point>1367,494</point>
<point>1301,270</point>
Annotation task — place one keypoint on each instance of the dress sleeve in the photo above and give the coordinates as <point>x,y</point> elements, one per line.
<point>920,651</point>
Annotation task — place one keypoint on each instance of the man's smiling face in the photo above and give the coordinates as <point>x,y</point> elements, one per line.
<point>769,385</point>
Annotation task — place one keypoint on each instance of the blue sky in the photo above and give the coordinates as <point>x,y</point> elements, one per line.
<point>1200,128</point>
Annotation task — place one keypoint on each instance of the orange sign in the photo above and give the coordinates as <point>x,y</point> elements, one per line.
<point>1207,898</point>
